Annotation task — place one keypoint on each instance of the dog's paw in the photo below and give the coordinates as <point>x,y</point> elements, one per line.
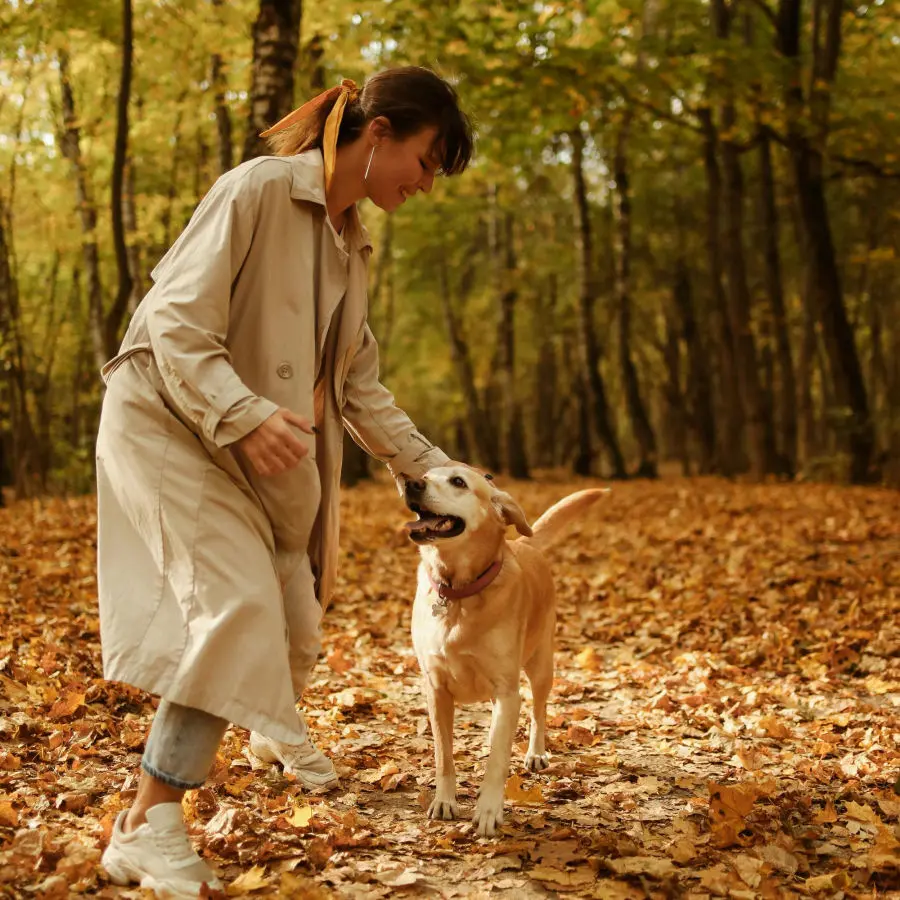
<point>488,815</point>
<point>443,809</point>
<point>536,762</point>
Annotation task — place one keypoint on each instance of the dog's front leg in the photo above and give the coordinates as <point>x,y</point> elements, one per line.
<point>440,711</point>
<point>489,809</point>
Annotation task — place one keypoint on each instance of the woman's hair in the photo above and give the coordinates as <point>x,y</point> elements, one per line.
<point>410,98</point>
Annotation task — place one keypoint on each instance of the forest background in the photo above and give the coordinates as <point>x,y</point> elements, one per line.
<point>678,242</point>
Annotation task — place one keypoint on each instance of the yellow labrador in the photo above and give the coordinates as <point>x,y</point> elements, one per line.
<point>484,610</point>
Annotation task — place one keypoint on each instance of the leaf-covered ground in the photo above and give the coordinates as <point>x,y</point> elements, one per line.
<point>724,719</point>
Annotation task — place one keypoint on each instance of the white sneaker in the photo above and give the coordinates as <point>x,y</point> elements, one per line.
<point>158,855</point>
<point>312,768</point>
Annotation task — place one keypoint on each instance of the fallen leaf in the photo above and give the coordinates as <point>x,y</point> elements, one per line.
<point>8,816</point>
<point>301,815</point>
<point>399,877</point>
<point>9,762</point>
<point>717,879</point>
<point>683,850</point>
<point>862,813</point>
<point>563,877</point>
<point>589,660</point>
<point>608,889</point>
<point>294,887</point>
<point>826,815</point>
<point>731,801</point>
<point>748,868</point>
<point>775,727</point>
<point>516,794</point>
<point>253,880</point>
<point>579,735</point>
<point>319,851</point>
<point>67,706</point>
<point>834,881</point>
<point>337,662</point>
<point>779,858</point>
<point>642,865</point>
<point>237,787</point>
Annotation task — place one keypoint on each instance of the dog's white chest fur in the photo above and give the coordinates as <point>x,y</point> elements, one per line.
<point>452,654</point>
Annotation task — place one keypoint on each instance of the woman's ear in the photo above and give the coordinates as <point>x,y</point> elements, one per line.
<point>380,129</point>
<point>511,513</point>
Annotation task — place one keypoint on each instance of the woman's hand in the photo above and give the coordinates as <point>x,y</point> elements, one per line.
<point>272,447</point>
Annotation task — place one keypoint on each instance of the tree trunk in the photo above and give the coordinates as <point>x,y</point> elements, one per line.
<point>640,421</point>
<point>675,415</point>
<point>381,296</point>
<point>42,383</point>
<point>590,352</point>
<point>134,250</point>
<point>276,35</point>
<point>113,324</point>
<point>729,410</point>
<point>22,439</point>
<point>220,108</point>
<point>201,176</point>
<point>739,299</point>
<point>503,265</point>
<point>70,141</point>
<point>479,433</point>
<point>584,453</point>
<point>806,148</point>
<point>786,390</point>
<point>699,382</point>
<point>545,389</point>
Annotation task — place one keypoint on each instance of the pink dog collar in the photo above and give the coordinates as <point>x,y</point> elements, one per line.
<point>445,592</point>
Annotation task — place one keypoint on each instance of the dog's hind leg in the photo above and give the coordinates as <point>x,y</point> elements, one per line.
<point>440,711</point>
<point>489,809</point>
<point>539,670</point>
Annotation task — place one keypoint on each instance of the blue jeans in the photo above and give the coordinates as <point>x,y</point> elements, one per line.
<point>182,745</point>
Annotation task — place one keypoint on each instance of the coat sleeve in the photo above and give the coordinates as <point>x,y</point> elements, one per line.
<point>188,315</point>
<point>378,425</point>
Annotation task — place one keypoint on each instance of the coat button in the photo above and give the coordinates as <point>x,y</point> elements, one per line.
<point>285,370</point>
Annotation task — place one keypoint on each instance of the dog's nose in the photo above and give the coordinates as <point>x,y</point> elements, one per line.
<point>414,488</point>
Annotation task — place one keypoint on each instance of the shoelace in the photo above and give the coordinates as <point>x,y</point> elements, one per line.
<point>175,846</point>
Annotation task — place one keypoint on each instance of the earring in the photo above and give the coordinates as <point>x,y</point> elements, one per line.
<point>369,165</point>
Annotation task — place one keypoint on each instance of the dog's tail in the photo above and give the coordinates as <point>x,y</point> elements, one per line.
<point>552,525</point>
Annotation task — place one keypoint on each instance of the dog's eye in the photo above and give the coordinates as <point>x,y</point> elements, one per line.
<point>456,481</point>
<point>488,476</point>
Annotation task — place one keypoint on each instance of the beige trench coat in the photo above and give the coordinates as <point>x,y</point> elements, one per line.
<point>258,304</point>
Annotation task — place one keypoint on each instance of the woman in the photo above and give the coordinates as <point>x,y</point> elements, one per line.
<point>219,450</point>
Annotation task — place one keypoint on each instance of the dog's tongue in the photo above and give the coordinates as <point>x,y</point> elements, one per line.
<point>429,523</point>
<point>419,524</point>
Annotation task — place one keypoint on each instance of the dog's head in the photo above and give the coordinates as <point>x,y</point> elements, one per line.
<point>452,501</point>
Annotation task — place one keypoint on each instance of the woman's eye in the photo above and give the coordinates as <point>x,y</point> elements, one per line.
<point>456,481</point>
<point>422,164</point>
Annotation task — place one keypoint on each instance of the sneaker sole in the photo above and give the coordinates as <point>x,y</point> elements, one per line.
<point>313,783</point>
<point>122,873</point>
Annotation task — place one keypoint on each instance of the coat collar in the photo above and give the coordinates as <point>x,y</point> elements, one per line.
<point>308,183</point>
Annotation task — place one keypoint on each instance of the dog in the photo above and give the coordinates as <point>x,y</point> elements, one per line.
<point>484,611</point>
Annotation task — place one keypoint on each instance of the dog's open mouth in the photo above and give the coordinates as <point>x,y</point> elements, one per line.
<point>430,526</point>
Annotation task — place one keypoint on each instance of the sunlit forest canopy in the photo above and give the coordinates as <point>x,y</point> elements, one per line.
<point>676,249</point>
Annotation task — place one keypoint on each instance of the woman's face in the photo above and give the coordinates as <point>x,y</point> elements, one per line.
<point>401,167</point>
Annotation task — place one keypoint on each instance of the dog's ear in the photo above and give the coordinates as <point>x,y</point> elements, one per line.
<point>511,513</point>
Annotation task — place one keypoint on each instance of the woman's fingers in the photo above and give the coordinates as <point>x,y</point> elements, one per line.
<point>274,447</point>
